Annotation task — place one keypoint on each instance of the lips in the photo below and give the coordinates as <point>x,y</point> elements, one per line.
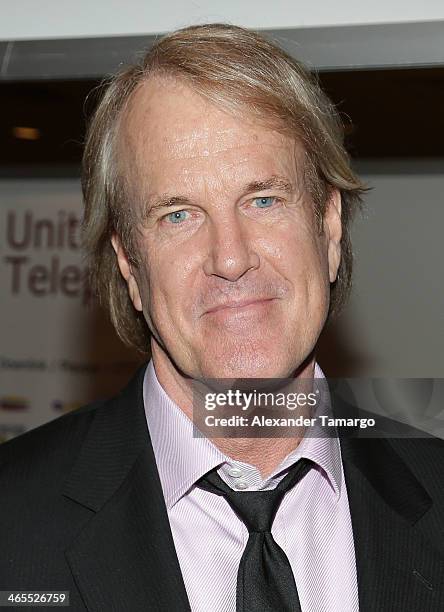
<point>233,304</point>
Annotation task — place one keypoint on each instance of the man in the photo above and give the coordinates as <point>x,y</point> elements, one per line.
<point>218,198</point>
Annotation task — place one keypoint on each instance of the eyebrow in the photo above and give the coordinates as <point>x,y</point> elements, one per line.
<point>166,201</point>
<point>274,182</point>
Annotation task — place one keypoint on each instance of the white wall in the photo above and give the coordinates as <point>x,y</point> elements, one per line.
<point>28,19</point>
<point>393,325</point>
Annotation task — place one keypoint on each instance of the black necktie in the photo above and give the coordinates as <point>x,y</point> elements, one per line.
<point>265,581</point>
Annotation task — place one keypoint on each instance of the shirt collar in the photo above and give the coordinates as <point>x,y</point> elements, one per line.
<point>182,458</point>
<point>323,449</point>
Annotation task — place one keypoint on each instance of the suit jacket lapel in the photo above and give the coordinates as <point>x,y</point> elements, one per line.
<point>124,558</point>
<point>397,567</point>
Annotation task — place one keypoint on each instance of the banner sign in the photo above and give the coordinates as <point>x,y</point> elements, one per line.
<point>57,348</point>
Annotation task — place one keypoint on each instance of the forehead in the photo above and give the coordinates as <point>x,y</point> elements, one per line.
<point>171,133</point>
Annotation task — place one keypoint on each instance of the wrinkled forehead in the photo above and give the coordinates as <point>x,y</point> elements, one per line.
<point>168,131</point>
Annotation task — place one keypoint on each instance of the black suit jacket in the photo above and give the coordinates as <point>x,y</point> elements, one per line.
<point>82,510</point>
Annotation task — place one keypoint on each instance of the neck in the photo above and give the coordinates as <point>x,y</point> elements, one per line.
<point>264,453</point>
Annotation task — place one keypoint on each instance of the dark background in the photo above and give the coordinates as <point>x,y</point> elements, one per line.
<point>387,114</point>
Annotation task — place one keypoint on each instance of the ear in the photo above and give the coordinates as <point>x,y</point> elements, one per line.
<point>333,230</point>
<point>127,273</point>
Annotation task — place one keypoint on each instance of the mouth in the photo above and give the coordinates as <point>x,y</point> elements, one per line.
<point>240,305</point>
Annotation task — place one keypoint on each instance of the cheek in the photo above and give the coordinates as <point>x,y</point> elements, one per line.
<point>168,284</point>
<point>298,253</point>
<point>304,266</point>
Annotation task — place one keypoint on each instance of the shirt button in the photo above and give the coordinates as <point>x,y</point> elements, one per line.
<point>235,472</point>
<point>241,484</point>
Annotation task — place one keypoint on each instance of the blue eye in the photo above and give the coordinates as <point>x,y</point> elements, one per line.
<point>177,216</point>
<point>264,202</point>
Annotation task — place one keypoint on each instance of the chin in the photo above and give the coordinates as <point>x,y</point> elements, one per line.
<point>248,365</point>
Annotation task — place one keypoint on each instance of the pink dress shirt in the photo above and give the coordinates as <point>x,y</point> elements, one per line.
<point>312,524</point>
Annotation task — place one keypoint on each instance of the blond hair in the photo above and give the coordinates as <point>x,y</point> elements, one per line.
<point>240,71</point>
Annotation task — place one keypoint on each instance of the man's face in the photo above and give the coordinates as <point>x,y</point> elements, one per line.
<point>234,274</point>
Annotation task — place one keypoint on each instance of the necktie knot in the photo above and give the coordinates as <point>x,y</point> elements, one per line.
<point>256,509</point>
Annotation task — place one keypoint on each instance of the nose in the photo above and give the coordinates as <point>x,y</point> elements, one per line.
<point>231,250</point>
